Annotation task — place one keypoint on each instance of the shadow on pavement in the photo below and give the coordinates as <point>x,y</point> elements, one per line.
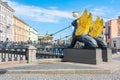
<point>3,71</point>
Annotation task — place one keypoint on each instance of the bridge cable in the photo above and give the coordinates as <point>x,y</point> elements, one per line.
<point>61,30</point>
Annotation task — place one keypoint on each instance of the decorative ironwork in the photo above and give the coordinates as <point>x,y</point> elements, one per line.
<point>49,53</point>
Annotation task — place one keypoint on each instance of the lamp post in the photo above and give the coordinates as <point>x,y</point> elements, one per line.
<point>75,14</point>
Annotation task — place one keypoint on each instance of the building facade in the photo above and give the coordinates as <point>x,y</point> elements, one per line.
<point>6,21</point>
<point>32,35</point>
<point>20,30</point>
<point>112,30</point>
<point>45,38</point>
<point>116,42</point>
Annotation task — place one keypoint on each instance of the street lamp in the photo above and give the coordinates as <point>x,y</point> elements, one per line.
<point>75,14</point>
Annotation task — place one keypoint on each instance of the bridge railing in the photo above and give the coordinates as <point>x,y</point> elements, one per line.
<point>45,53</point>
<point>12,55</point>
<point>17,52</point>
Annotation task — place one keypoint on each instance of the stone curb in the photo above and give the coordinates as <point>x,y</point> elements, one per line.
<point>103,68</point>
<point>60,71</point>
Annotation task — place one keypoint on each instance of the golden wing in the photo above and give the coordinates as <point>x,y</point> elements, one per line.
<point>95,27</point>
<point>100,28</point>
<point>82,20</point>
<point>88,23</point>
<point>85,14</point>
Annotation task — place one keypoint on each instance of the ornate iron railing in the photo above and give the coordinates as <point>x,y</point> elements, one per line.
<point>43,53</point>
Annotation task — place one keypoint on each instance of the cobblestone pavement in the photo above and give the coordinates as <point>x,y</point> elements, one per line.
<point>114,76</point>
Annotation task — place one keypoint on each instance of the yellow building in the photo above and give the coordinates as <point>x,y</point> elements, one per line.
<point>20,30</point>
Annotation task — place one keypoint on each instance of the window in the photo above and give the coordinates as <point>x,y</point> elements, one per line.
<point>108,31</point>
<point>0,8</point>
<point>114,43</point>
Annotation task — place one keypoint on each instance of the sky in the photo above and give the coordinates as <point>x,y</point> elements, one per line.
<point>50,16</point>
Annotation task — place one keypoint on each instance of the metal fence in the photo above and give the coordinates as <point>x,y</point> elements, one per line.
<point>56,50</point>
<point>45,53</point>
<point>13,51</point>
<point>46,50</point>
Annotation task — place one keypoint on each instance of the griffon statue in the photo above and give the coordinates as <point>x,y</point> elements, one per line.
<point>87,31</point>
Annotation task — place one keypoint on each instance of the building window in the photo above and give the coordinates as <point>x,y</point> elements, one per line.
<point>108,45</point>
<point>0,8</point>
<point>114,43</point>
<point>108,31</point>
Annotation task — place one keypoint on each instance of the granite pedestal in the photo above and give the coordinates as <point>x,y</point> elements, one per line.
<point>106,55</point>
<point>88,56</point>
